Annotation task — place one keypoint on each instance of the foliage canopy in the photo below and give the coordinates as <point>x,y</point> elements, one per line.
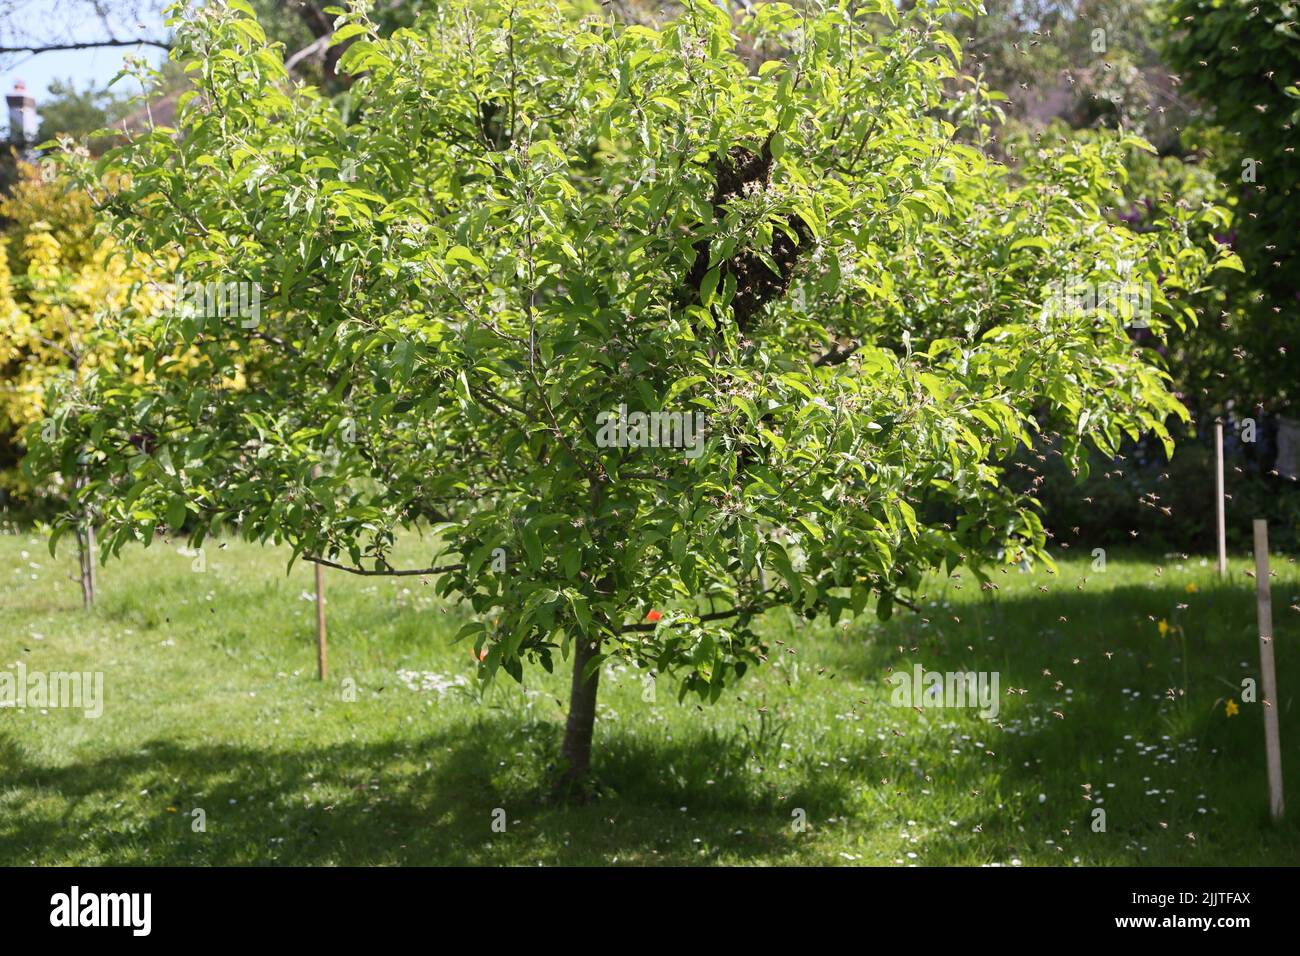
<point>532,219</point>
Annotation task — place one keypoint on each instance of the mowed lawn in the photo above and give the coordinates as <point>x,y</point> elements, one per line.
<point>212,702</point>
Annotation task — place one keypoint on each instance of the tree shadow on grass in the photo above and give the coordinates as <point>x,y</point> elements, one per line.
<point>1221,618</point>
<point>434,800</point>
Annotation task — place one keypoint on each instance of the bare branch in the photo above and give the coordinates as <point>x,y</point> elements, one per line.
<point>388,572</point>
<point>316,48</point>
<point>89,45</point>
<point>715,616</point>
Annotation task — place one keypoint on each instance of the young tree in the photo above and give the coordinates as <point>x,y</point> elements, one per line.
<point>56,279</point>
<point>539,230</point>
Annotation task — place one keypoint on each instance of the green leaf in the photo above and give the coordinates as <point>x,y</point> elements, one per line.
<point>532,546</point>
<point>351,60</point>
<point>462,254</point>
<point>709,286</point>
<point>345,32</point>
<point>56,533</point>
<point>176,512</point>
<point>592,666</point>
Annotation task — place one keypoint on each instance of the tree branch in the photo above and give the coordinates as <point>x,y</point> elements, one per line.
<point>90,45</point>
<point>315,48</point>
<point>715,616</point>
<point>390,572</point>
<point>835,355</point>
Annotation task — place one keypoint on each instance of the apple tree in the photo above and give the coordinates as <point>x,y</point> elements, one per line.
<point>506,277</point>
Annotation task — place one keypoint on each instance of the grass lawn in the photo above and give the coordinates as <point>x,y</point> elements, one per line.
<point>212,702</point>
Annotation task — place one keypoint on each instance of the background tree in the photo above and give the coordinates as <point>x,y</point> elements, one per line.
<point>29,27</point>
<point>1243,59</point>
<point>1091,63</point>
<point>67,111</point>
<point>535,221</point>
<point>48,248</point>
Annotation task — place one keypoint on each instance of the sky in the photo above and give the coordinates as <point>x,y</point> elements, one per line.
<point>62,21</point>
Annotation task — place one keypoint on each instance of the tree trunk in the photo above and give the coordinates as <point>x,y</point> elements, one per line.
<point>86,550</point>
<point>575,752</point>
<point>85,559</point>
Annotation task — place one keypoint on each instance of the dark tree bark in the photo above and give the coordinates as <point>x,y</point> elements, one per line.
<point>575,752</point>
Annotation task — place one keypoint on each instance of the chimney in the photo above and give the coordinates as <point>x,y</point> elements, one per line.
<point>22,117</point>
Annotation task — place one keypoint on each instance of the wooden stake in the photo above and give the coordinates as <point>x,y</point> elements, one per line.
<point>1218,498</point>
<point>320,609</point>
<point>1272,743</point>
<point>320,623</point>
<point>90,556</point>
